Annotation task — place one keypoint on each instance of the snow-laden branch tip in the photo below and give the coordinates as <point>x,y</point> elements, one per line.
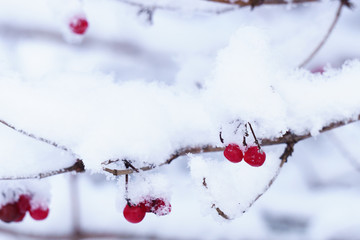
<point>77,167</point>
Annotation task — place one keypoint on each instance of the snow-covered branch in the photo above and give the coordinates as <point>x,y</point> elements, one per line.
<point>77,167</point>
<point>254,3</point>
<point>289,138</point>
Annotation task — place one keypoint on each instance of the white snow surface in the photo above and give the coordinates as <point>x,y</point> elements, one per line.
<point>100,117</point>
<point>126,90</point>
<point>235,191</point>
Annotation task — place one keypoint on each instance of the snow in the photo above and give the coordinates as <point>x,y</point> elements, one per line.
<point>236,190</point>
<point>126,90</point>
<point>102,118</point>
<point>38,190</point>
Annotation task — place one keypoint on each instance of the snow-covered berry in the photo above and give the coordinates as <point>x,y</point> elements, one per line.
<point>39,213</point>
<point>9,212</point>
<point>254,156</point>
<point>233,153</point>
<point>161,207</point>
<point>134,214</point>
<point>24,203</point>
<point>78,25</point>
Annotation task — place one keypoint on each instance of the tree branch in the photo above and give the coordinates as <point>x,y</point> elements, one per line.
<point>325,38</point>
<point>77,167</point>
<point>218,210</point>
<point>41,139</point>
<point>169,8</point>
<point>287,138</point>
<point>235,4</point>
<point>253,3</point>
<point>284,157</point>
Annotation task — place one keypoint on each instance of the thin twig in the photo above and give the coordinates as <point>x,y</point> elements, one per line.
<point>235,4</point>
<point>78,167</point>
<point>330,30</point>
<point>128,164</point>
<point>253,3</point>
<point>253,133</point>
<point>284,157</point>
<point>41,139</point>
<point>179,153</point>
<point>218,210</point>
<point>221,138</point>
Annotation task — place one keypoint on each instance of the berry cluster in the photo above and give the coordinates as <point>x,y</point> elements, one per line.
<point>16,211</point>
<point>78,25</point>
<point>136,213</point>
<point>254,156</point>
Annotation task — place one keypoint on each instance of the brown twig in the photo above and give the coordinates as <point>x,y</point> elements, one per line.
<point>129,165</point>
<point>255,138</point>
<point>181,152</point>
<point>325,38</point>
<point>77,167</point>
<point>253,3</point>
<point>234,4</point>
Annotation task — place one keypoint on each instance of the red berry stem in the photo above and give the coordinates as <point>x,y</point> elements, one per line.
<point>127,189</point>
<point>237,128</point>
<point>221,138</point>
<point>128,165</point>
<point>245,135</point>
<point>253,133</point>
<point>246,130</point>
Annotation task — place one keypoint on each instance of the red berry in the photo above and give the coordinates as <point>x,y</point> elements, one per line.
<point>319,69</point>
<point>233,153</point>
<point>134,214</point>
<point>147,205</point>
<point>39,213</point>
<point>21,217</point>
<point>160,207</point>
<point>9,212</point>
<point>254,156</point>
<point>24,203</point>
<point>78,25</point>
